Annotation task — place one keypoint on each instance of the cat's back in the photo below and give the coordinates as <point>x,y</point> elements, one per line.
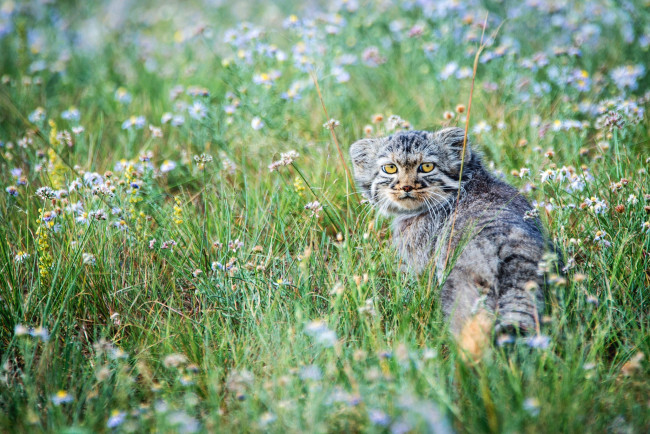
<point>494,210</point>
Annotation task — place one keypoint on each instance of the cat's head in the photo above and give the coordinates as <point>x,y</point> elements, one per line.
<point>410,172</point>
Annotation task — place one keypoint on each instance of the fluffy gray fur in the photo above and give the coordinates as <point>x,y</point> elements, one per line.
<point>495,251</point>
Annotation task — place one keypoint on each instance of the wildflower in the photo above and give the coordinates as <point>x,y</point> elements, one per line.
<point>156,131</point>
<point>152,243</point>
<point>167,166</point>
<point>377,117</point>
<point>122,95</point>
<point>136,122</point>
<point>598,206</point>
<point>117,353</point>
<point>368,308</point>
<point>331,124</point>
<point>481,127</point>
<point>372,58</point>
<point>378,417</point>
<point>448,115</point>
<point>338,289</point>
<point>645,227</point>
<point>45,193</point>
<point>626,77</point>
<point>166,117</point>
<point>37,115</point>
<point>235,245</point>
<point>99,214</point>
<point>177,120</point>
<point>448,70</point>
<point>539,341</point>
<point>174,360</point>
<point>183,422</point>
<point>266,419</point>
<point>12,190</point>
<point>61,397</point>
<point>632,199</point>
<point>257,123</point>
<point>116,419</point>
<point>612,120</point>
<point>310,372</point>
<point>286,158</point>
<point>71,114</point>
<point>547,175</point>
<point>198,110</point>
<point>41,333</point>
<point>82,217</point>
<point>321,333</point>
<point>20,330</point>
<point>341,75</point>
<point>202,159</point>
<point>531,405</point>
<point>88,259</point>
<point>186,380</point>
<point>77,130</point>
<point>266,78</point>
<point>523,172</point>
<point>169,244</point>
<point>315,208</point>
<point>367,130</point>
<point>197,273</point>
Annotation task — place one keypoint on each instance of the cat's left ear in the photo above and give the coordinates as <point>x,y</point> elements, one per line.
<point>364,160</point>
<point>453,138</point>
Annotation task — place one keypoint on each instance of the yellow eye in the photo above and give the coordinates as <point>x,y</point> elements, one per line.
<point>389,168</point>
<point>426,167</point>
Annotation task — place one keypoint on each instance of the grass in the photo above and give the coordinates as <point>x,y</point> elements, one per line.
<point>251,313</point>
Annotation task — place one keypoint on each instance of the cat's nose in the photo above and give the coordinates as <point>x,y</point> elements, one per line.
<point>407,188</point>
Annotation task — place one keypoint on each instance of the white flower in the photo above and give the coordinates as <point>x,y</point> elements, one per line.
<point>257,123</point>
<point>598,206</point>
<point>88,259</point>
<point>198,110</point>
<point>167,166</point>
<point>539,341</point>
<point>286,158</point>
<point>547,175</point>
<point>136,122</point>
<point>321,333</point>
<point>21,257</point>
<point>315,207</point>
<point>332,123</point>
<point>116,419</point>
<point>481,127</point>
<point>645,227</point>
<point>61,397</point>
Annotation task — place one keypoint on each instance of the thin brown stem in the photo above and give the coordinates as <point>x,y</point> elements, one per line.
<point>462,160</point>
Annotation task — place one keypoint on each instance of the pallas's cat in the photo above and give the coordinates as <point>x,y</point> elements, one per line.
<point>492,261</point>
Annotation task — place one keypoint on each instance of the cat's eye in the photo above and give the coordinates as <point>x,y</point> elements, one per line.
<point>389,168</point>
<point>426,167</point>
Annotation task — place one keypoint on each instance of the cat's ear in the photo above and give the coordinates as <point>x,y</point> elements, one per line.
<point>364,160</point>
<point>452,139</point>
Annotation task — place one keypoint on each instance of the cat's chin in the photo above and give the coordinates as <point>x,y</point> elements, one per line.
<point>405,207</point>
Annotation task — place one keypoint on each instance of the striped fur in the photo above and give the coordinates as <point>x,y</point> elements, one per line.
<point>495,252</point>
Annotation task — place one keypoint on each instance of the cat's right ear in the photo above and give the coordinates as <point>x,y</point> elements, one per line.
<point>364,160</point>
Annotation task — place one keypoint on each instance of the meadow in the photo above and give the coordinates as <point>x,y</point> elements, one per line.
<point>182,248</point>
